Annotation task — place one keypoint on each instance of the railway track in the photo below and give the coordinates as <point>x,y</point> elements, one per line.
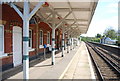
<point>106,65</point>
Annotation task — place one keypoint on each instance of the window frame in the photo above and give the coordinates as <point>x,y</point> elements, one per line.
<point>41,38</point>
<point>3,37</point>
<point>48,38</point>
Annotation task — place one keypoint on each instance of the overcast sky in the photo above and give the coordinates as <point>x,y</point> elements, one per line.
<point>106,15</point>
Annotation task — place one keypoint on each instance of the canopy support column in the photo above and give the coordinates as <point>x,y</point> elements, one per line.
<point>71,43</point>
<point>63,44</point>
<point>68,45</point>
<point>26,41</point>
<point>53,46</point>
<point>26,16</point>
<point>53,40</point>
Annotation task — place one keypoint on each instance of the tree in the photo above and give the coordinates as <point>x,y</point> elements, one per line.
<point>98,35</point>
<point>111,33</point>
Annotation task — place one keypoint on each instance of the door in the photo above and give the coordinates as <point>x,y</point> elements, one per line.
<point>17,46</point>
<point>1,41</point>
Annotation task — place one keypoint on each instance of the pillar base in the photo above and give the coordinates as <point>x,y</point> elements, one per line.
<point>67,51</point>
<point>53,63</point>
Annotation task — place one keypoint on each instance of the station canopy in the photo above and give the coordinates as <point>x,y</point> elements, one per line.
<point>71,15</point>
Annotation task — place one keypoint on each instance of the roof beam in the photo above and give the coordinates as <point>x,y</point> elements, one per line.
<point>44,19</point>
<point>17,10</point>
<point>73,9</point>
<point>64,19</point>
<point>80,24</point>
<point>66,29</point>
<point>77,20</point>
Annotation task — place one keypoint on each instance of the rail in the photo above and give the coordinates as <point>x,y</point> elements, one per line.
<point>107,62</point>
<point>113,49</point>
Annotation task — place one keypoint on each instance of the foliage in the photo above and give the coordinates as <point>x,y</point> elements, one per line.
<point>111,33</point>
<point>90,39</point>
<point>98,35</point>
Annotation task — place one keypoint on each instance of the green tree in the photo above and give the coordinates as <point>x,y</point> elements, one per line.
<point>98,35</point>
<point>111,33</point>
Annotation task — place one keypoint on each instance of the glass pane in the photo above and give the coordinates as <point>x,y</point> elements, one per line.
<point>1,38</point>
<point>1,44</point>
<point>30,33</point>
<point>29,43</point>
<point>41,37</point>
<point>30,38</point>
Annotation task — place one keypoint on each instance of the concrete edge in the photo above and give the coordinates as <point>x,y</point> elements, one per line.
<point>68,65</point>
<point>91,67</point>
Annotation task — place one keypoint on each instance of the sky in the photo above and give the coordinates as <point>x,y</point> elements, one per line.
<point>105,16</point>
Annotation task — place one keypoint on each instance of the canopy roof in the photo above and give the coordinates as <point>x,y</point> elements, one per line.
<point>75,15</point>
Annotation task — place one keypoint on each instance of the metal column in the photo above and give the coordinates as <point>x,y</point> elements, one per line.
<point>68,45</point>
<point>26,16</point>
<point>53,46</point>
<point>63,45</point>
<point>72,44</point>
<point>26,41</point>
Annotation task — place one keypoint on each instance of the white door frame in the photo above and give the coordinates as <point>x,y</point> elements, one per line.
<point>3,40</point>
<point>13,43</point>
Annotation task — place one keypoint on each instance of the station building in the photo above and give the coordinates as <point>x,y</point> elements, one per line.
<point>26,27</point>
<point>11,37</point>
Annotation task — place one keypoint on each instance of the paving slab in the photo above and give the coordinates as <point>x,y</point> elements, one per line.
<point>44,70</point>
<point>81,67</point>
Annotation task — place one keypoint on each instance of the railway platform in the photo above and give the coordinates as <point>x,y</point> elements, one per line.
<point>75,65</point>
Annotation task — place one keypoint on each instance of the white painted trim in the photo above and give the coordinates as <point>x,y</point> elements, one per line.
<point>33,49</point>
<point>48,45</point>
<point>17,10</point>
<point>3,37</point>
<point>41,46</point>
<point>48,37</point>
<point>63,19</point>
<point>36,8</point>
<point>4,55</point>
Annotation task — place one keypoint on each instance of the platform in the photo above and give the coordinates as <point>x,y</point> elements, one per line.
<point>75,65</point>
<point>81,66</point>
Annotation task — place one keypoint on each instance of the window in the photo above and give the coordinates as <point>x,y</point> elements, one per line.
<point>48,37</point>
<point>1,39</point>
<point>41,37</point>
<point>30,38</point>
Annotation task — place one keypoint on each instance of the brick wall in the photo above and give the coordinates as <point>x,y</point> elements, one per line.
<point>13,19</point>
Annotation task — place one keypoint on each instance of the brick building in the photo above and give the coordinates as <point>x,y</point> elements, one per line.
<point>26,26</point>
<point>12,30</point>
